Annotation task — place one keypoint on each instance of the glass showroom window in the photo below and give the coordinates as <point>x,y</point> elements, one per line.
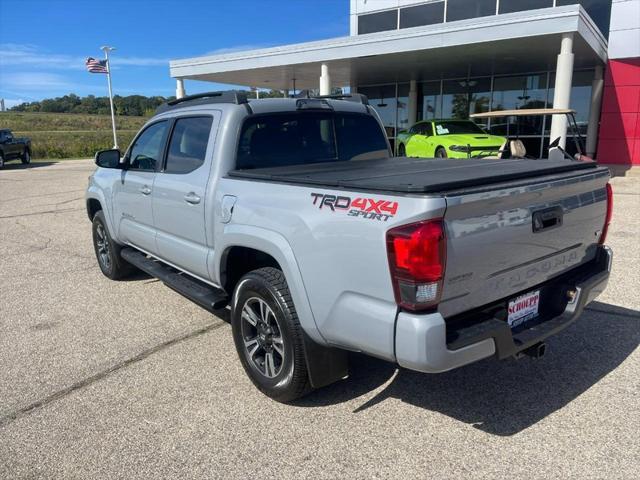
<point>427,14</point>
<point>462,97</point>
<point>383,99</point>
<point>430,101</point>
<point>580,98</point>
<point>508,6</point>
<point>402,119</point>
<point>513,93</point>
<point>463,9</point>
<point>378,22</point>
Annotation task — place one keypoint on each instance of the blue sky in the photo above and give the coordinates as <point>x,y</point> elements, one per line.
<point>43,43</point>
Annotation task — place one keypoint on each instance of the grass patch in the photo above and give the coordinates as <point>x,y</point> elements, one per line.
<point>69,135</point>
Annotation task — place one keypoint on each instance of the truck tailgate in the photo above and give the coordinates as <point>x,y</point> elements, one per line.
<point>506,240</point>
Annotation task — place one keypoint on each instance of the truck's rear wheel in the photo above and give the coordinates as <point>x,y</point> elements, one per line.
<point>26,157</point>
<point>268,336</point>
<point>107,251</point>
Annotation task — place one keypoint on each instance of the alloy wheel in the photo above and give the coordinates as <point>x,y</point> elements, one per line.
<point>262,336</point>
<point>102,244</point>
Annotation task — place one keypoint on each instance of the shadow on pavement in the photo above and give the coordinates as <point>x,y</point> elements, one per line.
<point>502,397</point>
<point>20,166</point>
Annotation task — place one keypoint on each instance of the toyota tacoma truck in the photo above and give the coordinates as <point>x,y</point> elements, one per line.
<point>12,148</point>
<point>292,213</point>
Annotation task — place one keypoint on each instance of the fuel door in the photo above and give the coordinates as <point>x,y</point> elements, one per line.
<point>226,208</point>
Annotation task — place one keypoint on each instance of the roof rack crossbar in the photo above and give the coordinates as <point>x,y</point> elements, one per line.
<point>237,97</point>
<point>352,97</point>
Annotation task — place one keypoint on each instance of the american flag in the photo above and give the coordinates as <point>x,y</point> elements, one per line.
<point>96,66</point>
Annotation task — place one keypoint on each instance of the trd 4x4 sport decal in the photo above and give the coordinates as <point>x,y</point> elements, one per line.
<point>364,207</point>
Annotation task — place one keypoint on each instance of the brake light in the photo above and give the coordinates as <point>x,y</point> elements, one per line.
<point>607,220</point>
<point>417,257</point>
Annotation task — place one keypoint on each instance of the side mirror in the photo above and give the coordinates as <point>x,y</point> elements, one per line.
<point>108,159</point>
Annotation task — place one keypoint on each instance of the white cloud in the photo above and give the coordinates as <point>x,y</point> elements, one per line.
<point>14,54</point>
<point>30,81</point>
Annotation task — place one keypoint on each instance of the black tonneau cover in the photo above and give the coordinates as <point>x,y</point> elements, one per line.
<point>412,175</point>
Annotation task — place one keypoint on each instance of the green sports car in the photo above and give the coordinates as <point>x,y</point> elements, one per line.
<point>447,139</point>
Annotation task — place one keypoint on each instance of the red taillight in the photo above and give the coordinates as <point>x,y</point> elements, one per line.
<point>417,255</point>
<point>607,220</point>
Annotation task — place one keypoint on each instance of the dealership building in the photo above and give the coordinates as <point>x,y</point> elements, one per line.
<point>433,59</point>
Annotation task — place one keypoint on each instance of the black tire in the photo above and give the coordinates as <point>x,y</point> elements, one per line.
<point>402,151</point>
<point>1,160</point>
<point>111,264</point>
<point>284,377</point>
<point>26,157</point>
<point>441,152</point>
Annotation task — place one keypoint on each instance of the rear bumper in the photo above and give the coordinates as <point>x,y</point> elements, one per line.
<point>428,343</point>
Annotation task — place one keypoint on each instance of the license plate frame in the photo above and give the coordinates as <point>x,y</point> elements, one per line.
<point>523,308</point>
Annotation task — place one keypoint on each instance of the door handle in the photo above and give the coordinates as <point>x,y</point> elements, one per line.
<point>547,219</point>
<point>192,198</point>
<point>145,190</point>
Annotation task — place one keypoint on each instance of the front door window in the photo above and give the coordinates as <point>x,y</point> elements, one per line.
<point>146,151</point>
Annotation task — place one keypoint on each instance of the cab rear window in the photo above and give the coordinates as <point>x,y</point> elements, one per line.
<point>297,138</point>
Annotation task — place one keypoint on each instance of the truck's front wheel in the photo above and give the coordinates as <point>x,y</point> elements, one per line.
<point>268,336</point>
<point>107,251</point>
<point>26,157</point>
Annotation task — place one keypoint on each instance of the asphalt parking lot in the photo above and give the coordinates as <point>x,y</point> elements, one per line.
<point>102,379</point>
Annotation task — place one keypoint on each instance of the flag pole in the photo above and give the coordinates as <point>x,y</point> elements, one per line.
<point>106,51</point>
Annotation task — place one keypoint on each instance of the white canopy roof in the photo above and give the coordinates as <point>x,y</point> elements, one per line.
<point>495,44</point>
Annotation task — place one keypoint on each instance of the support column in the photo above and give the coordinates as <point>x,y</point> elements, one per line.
<point>413,102</point>
<point>597,87</point>
<point>562,88</point>
<point>180,93</point>
<point>325,80</point>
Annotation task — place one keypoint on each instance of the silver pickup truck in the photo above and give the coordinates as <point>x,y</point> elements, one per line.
<point>293,213</point>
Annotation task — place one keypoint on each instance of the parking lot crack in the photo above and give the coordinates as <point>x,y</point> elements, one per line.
<point>60,394</point>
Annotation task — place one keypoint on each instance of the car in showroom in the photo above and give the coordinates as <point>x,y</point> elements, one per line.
<point>448,139</point>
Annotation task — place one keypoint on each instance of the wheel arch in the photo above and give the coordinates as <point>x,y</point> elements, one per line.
<point>93,207</point>
<point>95,194</point>
<point>437,147</point>
<point>265,246</point>
<point>262,247</point>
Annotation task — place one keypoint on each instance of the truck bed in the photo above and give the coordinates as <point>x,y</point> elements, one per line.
<point>412,175</point>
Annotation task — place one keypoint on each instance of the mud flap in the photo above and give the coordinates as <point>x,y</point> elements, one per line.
<point>325,365</point>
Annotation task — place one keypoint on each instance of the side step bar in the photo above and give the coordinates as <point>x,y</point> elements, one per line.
<point>204,295</point>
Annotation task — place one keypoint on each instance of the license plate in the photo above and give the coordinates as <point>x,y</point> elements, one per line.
<point>523,308</point>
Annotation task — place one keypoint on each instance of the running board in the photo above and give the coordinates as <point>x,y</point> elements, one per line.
<point>204,295</point>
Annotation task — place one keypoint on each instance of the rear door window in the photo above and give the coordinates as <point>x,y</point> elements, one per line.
<point>188,144</point>
<point>295,138</point>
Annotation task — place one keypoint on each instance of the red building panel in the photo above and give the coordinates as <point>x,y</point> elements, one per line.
<point>619,135</point>
<point>620,99</point>
<point>623,72</point>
